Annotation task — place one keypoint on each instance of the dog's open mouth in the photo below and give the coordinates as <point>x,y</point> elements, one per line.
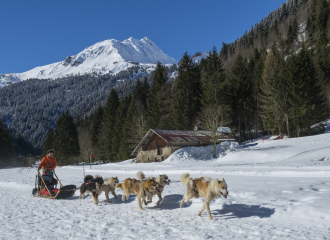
<point>224,195</point>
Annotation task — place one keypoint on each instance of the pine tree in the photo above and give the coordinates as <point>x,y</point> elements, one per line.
<point>66,143</point>
<point>179,115</point>
<point>49,141</point>
<point>322,22</point>
<point>307,103</point>
<point>311,25</point>
<point>118,127</point>
<point>313,95</point>
<point>186,94</point>
<point>272,94</point>
<point>145,92</point>
<point>213,81</point>
<point>96,128</point>
<point>6,147</point>
<point>241,92</point>
<point>153,103</point>
<point>257,81</point>
<point>139,124</point>
<point>127,143</point>
<point>323,73</point>
<point>109,119</point>
<point>292,33</point>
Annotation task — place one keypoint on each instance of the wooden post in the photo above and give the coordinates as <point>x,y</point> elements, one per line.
<point>84,167</point>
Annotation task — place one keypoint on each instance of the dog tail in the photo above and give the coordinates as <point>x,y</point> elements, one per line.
<point>206,179</point>
<point>140,176</point>
<point>88,178</point>
<point>120,186</point>
<point>185,179</point>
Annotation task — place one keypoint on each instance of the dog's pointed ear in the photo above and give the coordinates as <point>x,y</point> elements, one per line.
<point>223,180</point>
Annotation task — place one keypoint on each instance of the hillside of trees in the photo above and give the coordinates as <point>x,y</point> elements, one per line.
<point>30,107</point>
<point>274,79</point>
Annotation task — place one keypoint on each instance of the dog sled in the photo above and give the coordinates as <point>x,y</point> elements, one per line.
<point>43,190</point>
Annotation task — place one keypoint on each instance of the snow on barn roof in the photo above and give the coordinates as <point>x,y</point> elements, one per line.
<point>180,136</point>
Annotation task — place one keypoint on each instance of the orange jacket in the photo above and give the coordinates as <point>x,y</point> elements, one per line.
<point>48,163</point>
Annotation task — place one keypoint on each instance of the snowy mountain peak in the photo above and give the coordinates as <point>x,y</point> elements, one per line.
<point>108,56</point>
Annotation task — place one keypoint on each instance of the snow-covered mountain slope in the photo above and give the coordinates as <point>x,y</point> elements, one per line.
<point>109,56</point>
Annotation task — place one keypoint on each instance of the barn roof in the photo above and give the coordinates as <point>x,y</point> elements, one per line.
<point>180,136</point>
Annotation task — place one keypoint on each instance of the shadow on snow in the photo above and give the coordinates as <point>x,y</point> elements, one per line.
<point>242,211</point>
<point>168,202</point>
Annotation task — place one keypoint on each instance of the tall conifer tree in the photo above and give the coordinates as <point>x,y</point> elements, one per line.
<point>118,127</point>
<point>153,103</point>
<point>49,141</point>
<point>6,147</point>
<point>186,95</point>
<point>66,143</point>
<point>96,128</point>
<point>109,120</point>
<point>213,81</point>
<point>307,103</point>
<point>241,91</point>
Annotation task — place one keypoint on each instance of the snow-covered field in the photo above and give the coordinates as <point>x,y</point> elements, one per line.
<point>278,189</point>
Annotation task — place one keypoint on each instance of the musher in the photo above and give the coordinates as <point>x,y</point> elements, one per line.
<point>48,165</point>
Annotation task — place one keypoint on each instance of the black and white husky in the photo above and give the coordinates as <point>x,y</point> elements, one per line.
<point>92,185</point>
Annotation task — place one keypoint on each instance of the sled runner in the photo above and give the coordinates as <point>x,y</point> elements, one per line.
<point>42,190</point>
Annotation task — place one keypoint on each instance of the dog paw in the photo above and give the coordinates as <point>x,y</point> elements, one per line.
<point>210,217</point>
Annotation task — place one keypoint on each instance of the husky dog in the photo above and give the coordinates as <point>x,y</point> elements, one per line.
<point>142,189</point>
<point>92,185</point>
<point>203,187</point>
<point>162,181</point>
<point>108,185</point>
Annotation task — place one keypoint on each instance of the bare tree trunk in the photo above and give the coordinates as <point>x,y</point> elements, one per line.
<point>239,130</point>
<point>214,149</point>
<point>287,126</point>
<point>279,127</point>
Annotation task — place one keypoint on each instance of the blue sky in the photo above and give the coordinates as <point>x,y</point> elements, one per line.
<point>36,33</point>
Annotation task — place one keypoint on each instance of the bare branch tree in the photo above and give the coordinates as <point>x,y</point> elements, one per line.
<point>139,123</point>
<point>212,118</point>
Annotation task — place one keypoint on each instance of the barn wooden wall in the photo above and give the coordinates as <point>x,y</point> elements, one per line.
<point>157,143</point>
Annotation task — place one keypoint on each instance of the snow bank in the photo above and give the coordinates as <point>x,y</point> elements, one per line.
<point>203,153</point>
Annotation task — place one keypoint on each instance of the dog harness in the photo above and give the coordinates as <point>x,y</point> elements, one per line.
<point>93,181</point>
<point>194,188</point>
<point>88,183</point>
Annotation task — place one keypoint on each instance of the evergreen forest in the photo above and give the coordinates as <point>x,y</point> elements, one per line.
<point>274,79</point>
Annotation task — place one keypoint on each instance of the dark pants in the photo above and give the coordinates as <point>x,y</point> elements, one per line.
<point>49,183</point>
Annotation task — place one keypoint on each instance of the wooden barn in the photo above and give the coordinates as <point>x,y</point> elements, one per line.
<point>157,145</point>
